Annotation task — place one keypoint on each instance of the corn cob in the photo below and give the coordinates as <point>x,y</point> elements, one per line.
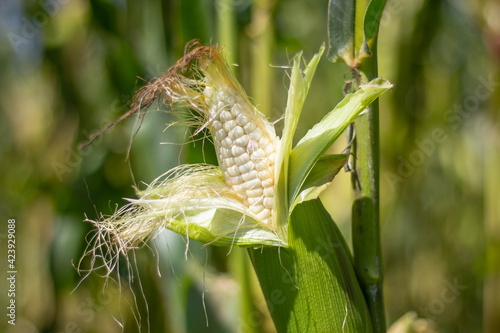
<point>246,148</point>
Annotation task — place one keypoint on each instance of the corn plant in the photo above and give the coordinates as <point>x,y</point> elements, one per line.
<point>263,195</point>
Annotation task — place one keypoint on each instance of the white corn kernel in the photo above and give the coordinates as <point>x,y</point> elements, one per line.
<point>251,184</point>
<point>236,109</point>
<point>228,126</point>
<point>225,152</point>
<point>220,134</point>
<point>237,150</point>
<point>238,188</point>
<point>268,191</point>
<point>268,202</point>
<point>234,171</point>
<point>255,201</point>
<point>235,180</point>
<point>249,175</point>
<point>236,133</point>
<point>228,162</point>
<point>227,143</point>
<point>216,125</point>
<point>225,116</point>
<point>249,127</point>
<point>247,167</point>
<point>241,119</point>
<point>264,174</point>
<point>256,192</point>
<point>242,141</point>
<point>255,135</point>
<point>252,146</point>
<point>258,155</point>
<point>209,92</point>
<point>262,165</point>
<point>271,158</point>
<point>242,159</point>
<point>267,182</point>
<point>256,209</point>
<point>264,214</point>
<point>263,141</point>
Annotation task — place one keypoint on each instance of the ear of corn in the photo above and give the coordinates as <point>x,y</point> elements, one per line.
<point>247,200</point>
<point>262,194</point>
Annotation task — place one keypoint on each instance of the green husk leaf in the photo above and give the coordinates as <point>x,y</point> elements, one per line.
<point>311,285</point>
<point>321,175</point>
<point>220,226</point>
<point>197,203</point>
<point>300,82</point>
<point>192,200</point>
<point>321,136</point>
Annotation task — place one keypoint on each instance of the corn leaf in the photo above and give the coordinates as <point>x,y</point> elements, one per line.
<point>321,136</point>
<point>321,175</point>
<point>311,285</point>
<point>341,17</point>
<point>352,29</point>
<point>300,82</point>
<point>371,23</point>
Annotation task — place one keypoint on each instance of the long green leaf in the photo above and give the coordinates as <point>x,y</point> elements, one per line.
<point>321,136</point>
<point>371,23</point>
<point>320,177</point>
<point>300,81</point>
<point>311,285</point>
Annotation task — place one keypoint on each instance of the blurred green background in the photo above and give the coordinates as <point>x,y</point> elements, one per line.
<point>68,67</point>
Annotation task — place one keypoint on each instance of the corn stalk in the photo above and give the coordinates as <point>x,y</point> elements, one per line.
<point>353,32</point>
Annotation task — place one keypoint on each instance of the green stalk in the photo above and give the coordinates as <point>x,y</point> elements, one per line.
<point>366,207</point>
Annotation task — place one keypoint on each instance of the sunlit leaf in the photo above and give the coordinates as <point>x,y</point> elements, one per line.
<point>300,82</point>
<point>311,286</point>
<point>321,136</point>
<point>323,172</point>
